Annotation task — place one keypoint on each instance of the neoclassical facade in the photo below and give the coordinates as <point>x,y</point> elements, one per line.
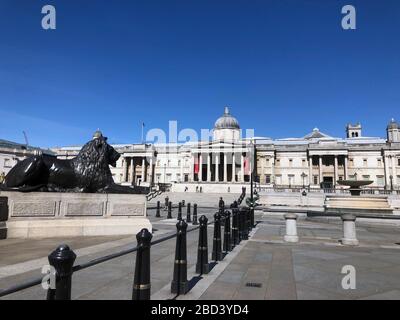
<point>315,160</point>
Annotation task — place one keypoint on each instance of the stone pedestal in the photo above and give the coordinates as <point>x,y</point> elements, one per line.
<point>349,230</point>
<point>291,228</point>
<point>45,214</point>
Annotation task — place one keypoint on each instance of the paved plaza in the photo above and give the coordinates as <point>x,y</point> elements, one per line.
<point>263,267</point>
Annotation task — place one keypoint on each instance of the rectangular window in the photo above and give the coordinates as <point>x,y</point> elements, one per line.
<point>7,163</point>
<point>366,177</point>
<point>186,177</point>
<point>380,181</point>
<point>304,162</point>
<point>278,162</point>
<point>379,162</point>
<point>290,162</point>
<point>365,162</point>
<point>291,179</point>
<point>352,177</point>
<point>398,162</point>
<point>315,180</point>
<point>267,162</point>
<point>351,162</point>
<point>168,178</point>
<point>278,178</point>
<point>268,179</point>
<point>398,180</point>
<point>178,177</point>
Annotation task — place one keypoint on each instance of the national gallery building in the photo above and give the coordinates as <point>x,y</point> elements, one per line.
<point>224,163</point>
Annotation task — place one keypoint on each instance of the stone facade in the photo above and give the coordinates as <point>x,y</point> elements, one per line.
<point>315,160</point>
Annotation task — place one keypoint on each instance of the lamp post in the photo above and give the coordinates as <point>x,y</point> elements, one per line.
<point>303,176</point>
<point>252,152</point>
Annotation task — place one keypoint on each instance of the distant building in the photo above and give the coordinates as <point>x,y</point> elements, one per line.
<point>12,152</point>
<point>315,160</point>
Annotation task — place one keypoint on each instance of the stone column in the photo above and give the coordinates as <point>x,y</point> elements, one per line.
<point>291,228</point>
<point>233,167</point>
<point>143,171</point>
<point>336,171</point>
<point>349,230</point>
<point>191,173</point>
<point>394,171</point>
<point>151,171</point>
<point>200,174</point>
<point>209,155</point>
<point>346,170</point>
<point>132,179</point>
<point>310,175</point>
<point>262,174</point>
<point>217,155</point>
<point>387,172</point>
<point>225,173</point>
<point>125,170</point>
<point>242,168</point>
<point>181,170</point>
<point>320,169</point>
<point>273,170</point>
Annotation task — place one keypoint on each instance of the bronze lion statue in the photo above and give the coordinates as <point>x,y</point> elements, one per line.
<point>88,172</point>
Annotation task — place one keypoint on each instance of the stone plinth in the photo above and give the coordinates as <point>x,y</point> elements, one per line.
<point>291,228</point>
<point>349,230</point>
<point>44,214</point>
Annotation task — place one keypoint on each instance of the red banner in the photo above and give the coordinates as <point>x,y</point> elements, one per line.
<point>196,165</point>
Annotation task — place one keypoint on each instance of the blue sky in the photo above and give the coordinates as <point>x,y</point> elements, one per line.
<point>284,67</point>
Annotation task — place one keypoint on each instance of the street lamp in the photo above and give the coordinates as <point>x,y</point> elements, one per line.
<point>303,175</point>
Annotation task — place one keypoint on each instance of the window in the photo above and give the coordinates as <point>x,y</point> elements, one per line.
<point>304,162</point>
<point>352,177</point>
<point>268,179</point>
<point>267,162</point>
<point>398,162</point>
<point>341,178</point>
<point>379,162</point>
<point>351,162</point>
<point>168,178</point>
<point>7,163</point>
<point>365,162</point>
<point>291,179</point>
<point>179,163</point>
<point>186,177</point>
<point>178,177</point>
<point>366,177</point>
<point>398,180</point>
<point>290,162</point>
<point>278,162</point>
<point>278,178</point>
<point>315,179</point>
<point>169,163</point>
<point>380,181</point>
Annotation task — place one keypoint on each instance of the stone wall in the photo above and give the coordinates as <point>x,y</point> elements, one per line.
<point>43,214</point>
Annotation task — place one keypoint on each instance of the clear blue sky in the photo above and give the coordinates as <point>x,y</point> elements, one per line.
<point>284,67</point>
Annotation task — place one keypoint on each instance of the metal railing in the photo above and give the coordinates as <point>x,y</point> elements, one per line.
<point>62,258</point>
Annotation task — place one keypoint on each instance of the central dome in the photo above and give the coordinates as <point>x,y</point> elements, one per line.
<point>226,121</point>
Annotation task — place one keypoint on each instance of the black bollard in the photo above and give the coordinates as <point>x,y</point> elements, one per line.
<point>235,227</point>
<point>179,284</point>
<point>62,259</point>
<point>217,252</point>
<point>202,266</point>
<point>141,282</point>
<point>179,211</point>
<point>195,223</point>
<point>166,203</point>
<point>227,232</point>
<point>169,216</point>
<point>245,229</point>
<point>188,217</point>
<point>241,224</point>
<point>249,225</point>
<point>158,210</point>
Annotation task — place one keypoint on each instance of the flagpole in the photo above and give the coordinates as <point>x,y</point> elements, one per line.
<point>142,131</point>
